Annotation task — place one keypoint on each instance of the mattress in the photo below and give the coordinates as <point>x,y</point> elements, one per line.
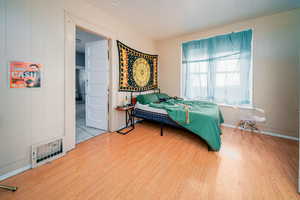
<point>150,109</point>
<point>154,116</point>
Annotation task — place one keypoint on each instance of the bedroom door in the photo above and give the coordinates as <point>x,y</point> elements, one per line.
<point>96,62</point>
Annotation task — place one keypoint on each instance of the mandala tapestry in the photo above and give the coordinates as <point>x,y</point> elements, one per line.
<point>138,71</point>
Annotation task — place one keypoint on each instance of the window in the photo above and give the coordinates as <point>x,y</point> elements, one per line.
<point>218,69</point>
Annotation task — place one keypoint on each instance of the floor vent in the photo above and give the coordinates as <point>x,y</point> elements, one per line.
<point>46,152</point>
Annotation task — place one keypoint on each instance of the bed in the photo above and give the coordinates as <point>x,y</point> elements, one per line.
<point>201,118</point>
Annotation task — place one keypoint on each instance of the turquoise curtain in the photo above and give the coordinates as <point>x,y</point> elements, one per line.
<point>218,68</point>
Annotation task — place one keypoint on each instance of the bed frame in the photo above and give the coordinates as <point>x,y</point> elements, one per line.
<point>162,119</point>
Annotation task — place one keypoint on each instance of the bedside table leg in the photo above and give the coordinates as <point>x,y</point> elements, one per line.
<point>132,118</point>
<point>129,121</point>
<point>126,118</point>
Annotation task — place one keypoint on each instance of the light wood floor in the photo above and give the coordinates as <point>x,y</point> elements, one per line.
<point>144,165</point>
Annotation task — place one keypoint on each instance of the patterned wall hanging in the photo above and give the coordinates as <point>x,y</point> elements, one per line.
<point>138,71</point>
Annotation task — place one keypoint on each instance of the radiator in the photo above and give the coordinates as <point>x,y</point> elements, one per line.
<point>46,152</point>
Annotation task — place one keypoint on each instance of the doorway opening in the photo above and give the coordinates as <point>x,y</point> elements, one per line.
<point>91,85</point>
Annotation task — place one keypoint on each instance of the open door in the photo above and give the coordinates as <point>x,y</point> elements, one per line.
<point>96,62</point>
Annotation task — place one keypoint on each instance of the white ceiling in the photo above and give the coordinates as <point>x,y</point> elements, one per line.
<point>83,37</point>
<point>159,19</point>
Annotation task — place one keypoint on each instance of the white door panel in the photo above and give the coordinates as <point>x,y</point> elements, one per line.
<point>93,91</point>
<point>93,78</point>
<point>96,56</point>
<point>94,101</point>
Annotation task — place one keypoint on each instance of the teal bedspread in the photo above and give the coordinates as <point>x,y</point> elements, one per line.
<point>200,117</point>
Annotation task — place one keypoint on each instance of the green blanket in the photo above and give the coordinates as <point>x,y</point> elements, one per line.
<point>202,118</point>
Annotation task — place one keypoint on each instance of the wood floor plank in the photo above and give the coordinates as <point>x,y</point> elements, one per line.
<point>144,165</point>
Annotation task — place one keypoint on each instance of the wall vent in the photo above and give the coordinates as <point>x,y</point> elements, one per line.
<point>46,152</point>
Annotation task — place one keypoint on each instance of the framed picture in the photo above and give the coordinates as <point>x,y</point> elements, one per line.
<point>24,75</point>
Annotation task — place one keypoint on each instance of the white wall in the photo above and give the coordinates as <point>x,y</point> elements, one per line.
<point>275,61</point>
<point>33,30</point>
<point>30,31</point>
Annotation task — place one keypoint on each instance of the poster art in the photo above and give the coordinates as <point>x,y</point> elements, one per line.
<point>137,70</point>
<point>24,75</point>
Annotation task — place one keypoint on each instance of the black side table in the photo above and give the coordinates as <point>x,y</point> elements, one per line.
<point>129,118</point>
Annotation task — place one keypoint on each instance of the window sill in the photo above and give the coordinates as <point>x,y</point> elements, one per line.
<point>247,106</point>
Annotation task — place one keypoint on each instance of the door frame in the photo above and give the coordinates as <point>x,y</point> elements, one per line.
<point>71,22</point>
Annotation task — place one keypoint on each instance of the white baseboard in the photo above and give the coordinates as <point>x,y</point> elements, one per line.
<point>267,133</point>
<point>15,172</point>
